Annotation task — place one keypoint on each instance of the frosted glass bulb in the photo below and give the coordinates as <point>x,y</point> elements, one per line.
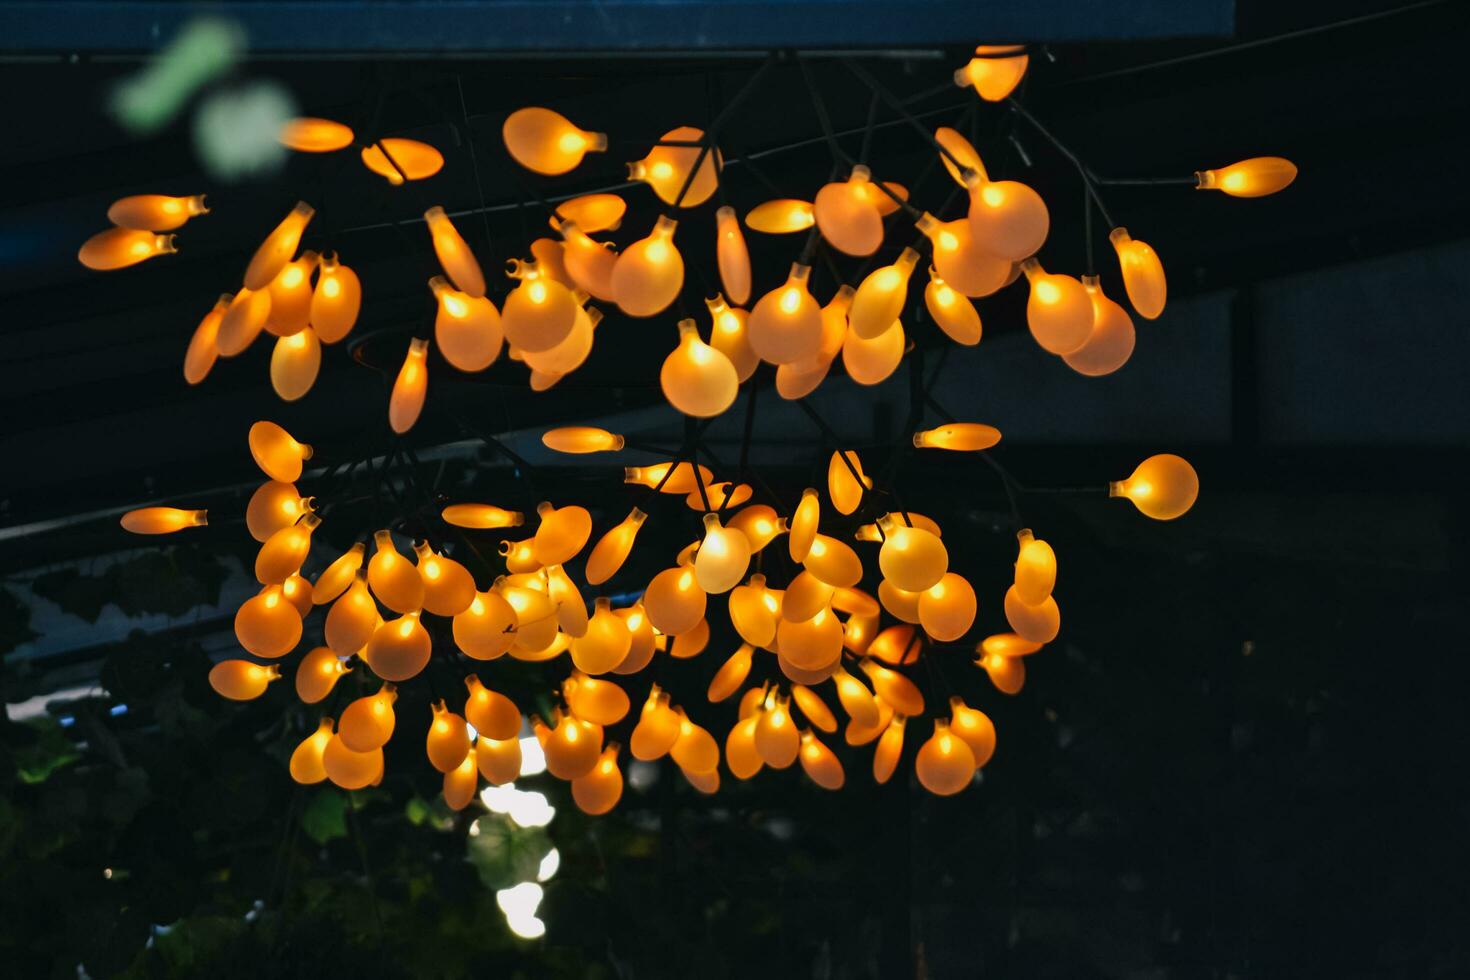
<point>820,764</point>
<point>674,602</point>
<point>901,603</point>
<point>1008,674</point>
<point>467,328</point>
<point>814,708</point>
<point>352,618</point>
<point>890,747</point>
<point>485,629</point>
<point>336,300</point>
<point>395,158</point>
<point>606,642</point>
<point>657,729</point>
<point>593,212</point>
<point>873,361</point>
<point>961,260</point>
<point>589,263</point>
<point>577,439</point>
<point>539,314</point>
<point>368,722</point>
<point>499,760</point>
<point>813,644</point>
<point>460,784</point>
<point>962,151</point>
<point>897,645</point>
<point>880,297</point>
<point>598,701</point>
<point>781,217</point>
<point>598,791</point>
<point>448,741</point>
<point>707,783</point>
<point>306,759</point>
<point>1036,568</point>
<point>290,293</point>
<point>455,257</point>
<point>952,311</point>
<point>911,558</point>
<point>562,533</point>
<point>730,335</point>
<point>974,728</point>
<point>284,552</point>
<point>697,379</point>
<point>268,625</point>
<point>410,388</point>
<point>962,437</point>
<point>203,349</point>
<point>753,612</point>
<point>847,215</point>
<point>241,680</point>
<point>295,361</point>
<point>859,632</point>
<point>1110,344</point>
<point>481,516</point>
<point>612,548</point>
<point>649,274</point>
<point>393,578</point>
<point>996,72</point>
<point>804,525</point>
<point>759,524</point>
<point>800,378</point>
<point>724,556</point>
<point>546,142</point>
<point>273,254</point>
<point>666,168</point>
<point>243,321</point>
<point>1007,645</point>
<point>695,750</point>
<point>520,556</point>
<point>317,673</point>
<point>348,769</point>
<point>536,622</point>
<point>740,752</point>
<point>1162,487</point>
<point>731,675</point>
<point>1143,274</point>
<point>894,688</point>
<point>786,324</point>
<point>1007,218</point>
<point>833,562</point>
<point>448,586</point>
<point>1038,622</point>
<point>274,505</point>
<point>805,596</point>
<point>399,649</point>
<point>947,608</point>
<point>1059,310</point>
<point>945,765</point>
<point>572,748</point>
<point>1255,177</point>
<point>855,698</point>
<point>493,714</point>
<point>776,737</point>
<point>163,520</point>
<point>843,488</point>
<point>155,212</point>
<point>732,256</point>
<point>309,134</point>
<point>118,248</point>
<point>721,496</point>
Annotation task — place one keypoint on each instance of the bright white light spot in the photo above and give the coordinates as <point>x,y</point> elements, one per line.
<point>533,760</point>
<point>549,865</point>
<point>519,905</point>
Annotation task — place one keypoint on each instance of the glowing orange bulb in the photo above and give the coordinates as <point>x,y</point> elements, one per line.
<point>890,747</point>
<point>723,557</point>
<point>244,318</point>
<point>814,708</point>
<point>481,516</point>
<point>612,548</point>
<point>493,714</point>
<point>894,688</point>
<point>843,487</point>
<point>1110,344</point>
<point>952,311</point>
<point>947,608</point>
<point>649,274</point>
<point>307,134</point>
<point>847,215</point>
<point>276,453</point>
<point>203,347</point>
<point>1059,310</point>
<point>454,254</point>
<point>352,618</point>
<point>606,642</point>
<point>273,254</point>
<point>336,300</point>
<point>961,259</point>
<point>268,625</point>
<point>695,750</point>
<point>1162,487</point>
<point>593,212</point>
<point>284,551</point>
<point>306,764</point>
<point>394,158</point>
<point>1007,218</point>
<point>730,336</point>
<point>598,791</point>
<point>804,525</point>
<point>759,524</point>
<point>995,72</point>
<point>400,649</point>
<point>1038,622</point>
<point>295,361</point>
<point>410,388</point>
<point>241,680</point>
<point>781,217</point>
<point>348,769</point>
<point>290,296</point>
<point>1143,274</point>
<point>776,736</point>
<point>974,728</point>
<point>945,764</point>
<point>118,248</point>
<point>163,520</point>
<point>682,480</point>
<point>667,168</point>
<point>813,644</point>
<point>880,297</point>
<point>786,325</point>
<point>499,760</point>
<point>674,602</point>
<point>460,783</point>
<point>833,562</point>
<point>1036,568</point>
<point>696,378</point>
<point>562,533</point>
<point>961,150</point>
<point>820,764</point>
<point>394,580</point>
<point>958,437</point>
<point>546,142</point>
<point>466,328</point>
<point>856,699</point>
<point>317,673</point>
<point>155,212</point>
<point>1255,177</point>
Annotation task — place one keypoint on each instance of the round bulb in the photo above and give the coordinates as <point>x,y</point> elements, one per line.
<point>667,168</point>
<point>485,629</point>
<point>873,361</point>
<point>674,602</point>
<point>394,158</point>
<point>1036,568</point>
<point>492,714</point>
<point>723,557</point>
<point>284,552</point>
<point>336,300</point>
<point>398,649</point>
<point>911,558</point>
<point>368,722</point>
<point>467,328</point>
<point>847,215</point>
<point>306,764</point>
<point>394,580</point>
<point>1007,218</point>
<point>820,764</point>
<point>730,335</point>
<point>786,324</point>
<point>1110,344</point>
<point>317,673</point>
<point>546,142</point>
<point>448,586</point>
<point>348,769</point>
<point>961,260</point>
<point>499,760</point>
<point>974,728</point>
<point>606,642</point>
<point>562,533</point>
<point>649,274</point>
<point>1162,487</point>
<point>657,729</point>
<point>448,740</point>
<point>995,71</point>
<point>295,361</point>
<point>947,608</point>
<point>1038,622</point>
<point>598,791</point>
<point>268,625</point>
<point>1059,310</point>
<point>945,765</point>
<point>776,737</point>
<point>697,379</point>
<point>352,618</point>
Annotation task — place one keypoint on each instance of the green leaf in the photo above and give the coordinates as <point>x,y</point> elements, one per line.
<point>324,818</point>
<point>51,750</point>
<point>504,854</point>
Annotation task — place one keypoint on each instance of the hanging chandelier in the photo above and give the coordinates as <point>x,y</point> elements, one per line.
<point>833,597</point>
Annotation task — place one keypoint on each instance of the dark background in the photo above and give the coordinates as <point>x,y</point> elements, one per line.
<point>1242,757</point>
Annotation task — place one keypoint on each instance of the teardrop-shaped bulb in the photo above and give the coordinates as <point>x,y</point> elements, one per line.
<point>786,325</point>
<point>1162,487</point>
<point>352,618</point>
<point>963,261</point>
<point>546,142</point>
<point>589,263</point>
<point>833,562</point>
<point>813,644</point>
<point>995,71</point>
<point>162,520</point>
<point>1007,218</point>
<point>804,525</point>
<point>947,608</point>
<point>290,293</point>
<point>499,760</point>
<point>118,248</point>
<point>1143,274</point>
<point>455,257</point>
<point>695,750</point>
<point>306,764</point>
<point>317,673</point>
<point>724,556</point>
<point>273,254</point>
<point>368,722</point>
<point>674,601</point>
<point>284,552</point>
<point>243,321</point>
<point>394,159</point>
<point>945,765</point>
<point>493,714</point>
<point>393,578</point>
<point>1038,622</point>
<point>485,629</point>
<point>268,625</point>
<point>539,314</point>
<point>460,784</point>
<point>598,791</point>
<point>311,134</point>
<point>572,748</point>
<point>890,747</point>
<point>448,740</point>
<point>1059,310</point>
<point>649,273</point>
<point>467,328</point>
<point>880,297</point>
<point>605,643</point>
<point>732,256</point>
<point>399,649</point>
<point>1255,177</point>
<point>348,769</point>
<point>759,524</point>
<point>562,533</point>
<point>612,548</point>
<point>960,437</point>
<point>730,335</point>
<point>241,680</point>
<point>481,516</point>
<point>696,378</point>
<point>203,349</point>
<point>657,729</point>
<point>731,675</point>
<point>295,361</point>
<point>335,301</point>
<point>776,737</point>
<point>894,688</point>
<point>781,217</point>
<point>847,215</point>
<point>666,168</point>
<point>593,212</point>
<point>155,212</point>
<point>952,311</point>
<point>871,362</point>
<point>911,558</point>
<point>410,388</point>
<point>974,727</point>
